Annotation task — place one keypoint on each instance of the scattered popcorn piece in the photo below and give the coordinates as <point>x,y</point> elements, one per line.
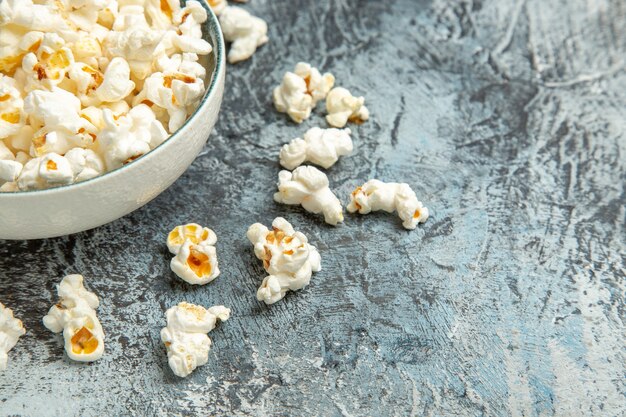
<point>75,315</point>
<point>185,336</point>
<point>246,32</point>
<point>291,97</point>
<point>191,231</point>
<point>300,91</point>
<point>196,264</point>
<point>196,257</point>
<point>318,85</point>
<point>342,108</point>
<point>376,195</point>
<point>10,331</point>
<point>287,257</point>
<point>308,186</point>
<point>321,147</point>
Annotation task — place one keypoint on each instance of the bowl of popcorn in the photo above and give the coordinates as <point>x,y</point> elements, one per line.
<point>103,105</point>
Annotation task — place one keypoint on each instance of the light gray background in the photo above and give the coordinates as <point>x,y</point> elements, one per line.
<point>507,119</point>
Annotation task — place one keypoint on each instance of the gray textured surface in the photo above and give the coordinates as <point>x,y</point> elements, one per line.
<point>506,117</point>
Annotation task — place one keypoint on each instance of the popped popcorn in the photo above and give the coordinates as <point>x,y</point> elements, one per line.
<point>191,231</point>
<point>185,336</point>
<point>321,147</point>
<point>10,331</point>
<point>43,171</point>
<point>85,164</point>
<point>195,259</point>
<point>175,92</point>
<point>97,82</point>
<point>75,316</point>
<point>300,91</point>
<point>317,85</point>
<point>116,84</point>
<point>287,257</point>
<point>342,108</point>
<point>126,138</point>
<point>11,107</point>
<point>246,32</point>
<point>308,187</point>
<point>376,195</point>
<point>9,168</point>
<point>291,97</point>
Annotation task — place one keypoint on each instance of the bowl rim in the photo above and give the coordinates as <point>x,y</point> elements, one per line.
<point>218,52</point>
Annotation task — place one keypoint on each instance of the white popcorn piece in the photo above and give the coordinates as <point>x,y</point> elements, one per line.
<point>246,32</point>
<point>9,170</point>
<point>186,64</point>
<point>83,14</point>
<point>287,257</point>
<point>192,232</point>
<point>161,12</point>
<point>11,329</point>
<point>26,15</point>
<point>321,147</point>
<point>376,195</point>
<point>75,315</point>
<point>185,336</point>
<point>137,45</point>
<point>128,137</point>
<point>85,164</point>
<point>21,141</point>
<point>317,85</point>
<point>49,65</point>
<point>116,84</point>
<point>11,105</point>
<point>87,81</point>
<point>291,97</point>
<point>177,93</point>
<point>342,108</point>
<point>300,91</point>
<point>86,49</point>
<point>58,111</point>
<point>188,39</point>
<point>53,108</point>
<point>45,171</point>
<point>196,257</point>
<point>308,186</point>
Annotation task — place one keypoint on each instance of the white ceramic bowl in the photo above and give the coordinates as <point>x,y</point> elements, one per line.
<point>88,204</point>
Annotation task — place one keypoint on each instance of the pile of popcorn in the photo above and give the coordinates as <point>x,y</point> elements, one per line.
<point>87,86</point>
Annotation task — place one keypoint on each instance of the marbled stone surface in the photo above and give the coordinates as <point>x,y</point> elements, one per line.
<point>506,117</point>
